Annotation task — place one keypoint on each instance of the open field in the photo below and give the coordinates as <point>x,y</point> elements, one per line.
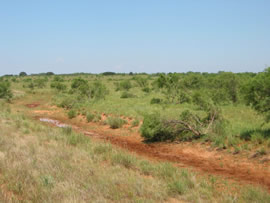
<point>103,156</point>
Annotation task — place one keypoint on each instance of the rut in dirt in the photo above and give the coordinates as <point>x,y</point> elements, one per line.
<point>155,151</point>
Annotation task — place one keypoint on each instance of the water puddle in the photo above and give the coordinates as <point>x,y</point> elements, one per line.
<point>54,122</point>
<point>63,125</point>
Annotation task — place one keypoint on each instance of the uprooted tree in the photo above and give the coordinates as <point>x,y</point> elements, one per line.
<point>189,125</point>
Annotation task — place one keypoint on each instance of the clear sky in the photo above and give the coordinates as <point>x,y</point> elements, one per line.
<point>67,36</point>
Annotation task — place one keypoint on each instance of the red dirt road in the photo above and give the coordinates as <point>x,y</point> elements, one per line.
<point>196,156</point>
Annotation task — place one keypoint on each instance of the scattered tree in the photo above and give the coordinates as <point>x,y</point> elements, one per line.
<point>23,74</point>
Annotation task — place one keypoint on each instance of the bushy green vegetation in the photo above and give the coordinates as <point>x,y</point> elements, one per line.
<point>90,117</point>
<point>175,98</point>
<point>126,95</point>
<point>115,122</point>
<point>5,91</point>
<point>189,126</point>
<point>72,114</point>
<point>257,93</point>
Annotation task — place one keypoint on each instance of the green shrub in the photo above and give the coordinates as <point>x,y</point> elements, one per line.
<point>68,103</point>
<point>125,85</point>
<point>146,89</point>
<point>58,85</point>
<point>141,81</point>
<point>135,123</point>
<point>200,99</point>
<point>5,91</point>
<point>115,122</point>
<point>90,117</point>
<point>257,138</point>
<point>57,78</point>
<point>97,118</point>
<point>72,114</point>
<point>153,129</point>
<point>257,93</point>
<point>40,82</point>
<point>126,95</point>
<point>261,151</point>
<point>23,74</point>
<point>14,79</point>
<point>189,126</point>
<point>99,90</point>
<point>155,101</point>
<point>78,82</point>
<point>184,98</point>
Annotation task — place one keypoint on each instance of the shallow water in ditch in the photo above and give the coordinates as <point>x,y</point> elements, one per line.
<point>54,122</point>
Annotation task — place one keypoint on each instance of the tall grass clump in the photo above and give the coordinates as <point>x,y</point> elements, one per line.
<point>115,122</point>
<point>72,114</point>
<point>90,117</point>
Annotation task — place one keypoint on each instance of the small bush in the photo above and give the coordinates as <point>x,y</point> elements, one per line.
<point>57,78</point>
<point>97,118</point>
<point>261,151</point>
<point>155,101</point>
<point>115,122</point>
<point>5,91</point>
<point>141,81</point>
<point>78,83</point>
<point>126,95</point>
<point>90,117</point>
<point>146,89</point>
<point>153,129</point>
<point>98,90</point>
<point>257,138</point>
<point>23,74</point>
<point>58,86</point>
<point>184,98</point>
<point>68,103</point>
<point>125,85</point>
<point>135,123</point>
<point>72,114</point>
<point>40,82</point>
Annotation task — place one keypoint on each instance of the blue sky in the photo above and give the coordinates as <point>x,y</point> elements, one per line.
<point>138,36</point>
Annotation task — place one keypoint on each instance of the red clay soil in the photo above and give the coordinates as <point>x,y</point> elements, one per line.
<point>182,155</point>
<point>190,156</point>
<point>33,105</point>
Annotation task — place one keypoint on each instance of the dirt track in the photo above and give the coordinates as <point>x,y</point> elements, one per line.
<point>196,156</point>
<point>239,171</point>
<point>184,155</point>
